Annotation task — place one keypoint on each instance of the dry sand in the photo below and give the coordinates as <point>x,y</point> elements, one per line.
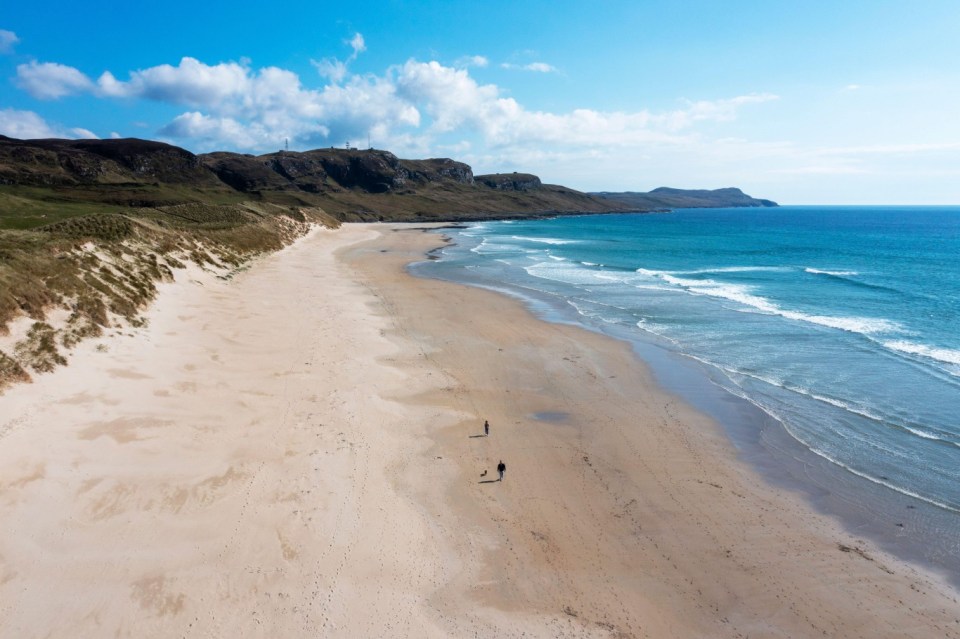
<point>295,452</point>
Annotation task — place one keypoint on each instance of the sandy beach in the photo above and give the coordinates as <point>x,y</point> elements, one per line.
<point>298,451</point>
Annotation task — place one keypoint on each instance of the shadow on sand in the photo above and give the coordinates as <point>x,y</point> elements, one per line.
<point>488,481</point>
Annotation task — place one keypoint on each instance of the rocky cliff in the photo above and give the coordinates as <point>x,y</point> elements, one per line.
<point>350,184</point>
<point>76,162</point>
<point>510,181</point>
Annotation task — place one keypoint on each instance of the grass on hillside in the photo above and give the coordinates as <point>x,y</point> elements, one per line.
<point>102,269</point>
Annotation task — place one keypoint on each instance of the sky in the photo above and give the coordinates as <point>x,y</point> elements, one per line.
<point>814,102</point>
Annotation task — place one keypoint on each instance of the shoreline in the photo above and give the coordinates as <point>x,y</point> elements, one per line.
<point>296,452</point>
<point>914,530</point>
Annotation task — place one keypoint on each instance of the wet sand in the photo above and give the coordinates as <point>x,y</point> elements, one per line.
<point>298,452</point>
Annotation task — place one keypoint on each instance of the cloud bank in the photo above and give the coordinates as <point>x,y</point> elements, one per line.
<point>416,105</point>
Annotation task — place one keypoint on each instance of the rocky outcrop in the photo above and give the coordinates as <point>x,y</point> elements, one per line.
<point>438,170</point>
<point>332,170</point>
<point>510,181</point>
<point>245,173</point>
<point>73,162</point>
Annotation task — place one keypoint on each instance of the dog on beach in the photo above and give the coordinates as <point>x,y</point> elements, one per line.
<point>483,474</point>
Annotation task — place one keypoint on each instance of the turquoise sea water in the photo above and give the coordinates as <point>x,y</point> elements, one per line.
<point>842,323</point>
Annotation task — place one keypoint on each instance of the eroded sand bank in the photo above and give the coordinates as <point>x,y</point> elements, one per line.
<point>295,452</point>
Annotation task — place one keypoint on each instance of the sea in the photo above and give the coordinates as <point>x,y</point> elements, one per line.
<point>825,339</point>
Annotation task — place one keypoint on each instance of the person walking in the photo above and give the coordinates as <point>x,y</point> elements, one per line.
<point>486,428</point>
<point>500,468</point>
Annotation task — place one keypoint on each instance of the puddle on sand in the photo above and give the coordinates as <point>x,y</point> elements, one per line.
<point>551,416</point>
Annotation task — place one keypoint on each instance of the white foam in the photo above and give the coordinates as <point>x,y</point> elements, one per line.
<point>817,271</point>
<point>741,294</point>
<point>542,240</point>
<point>927,435</point>
<point>557,258</point>
<point>562,272</point>
<point>876,480</point>
<point>733,269</point>
<point>945,355</point>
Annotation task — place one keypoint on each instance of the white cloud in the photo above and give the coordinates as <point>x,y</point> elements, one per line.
<point>50,80</point>
<point>211,131</point>
<point>536,67</point>
<point>714,110</point>
<point>191,82</point>
<point>453,99</point>
<point>331,68</point>
<point>336,70</point>
<point>357,44</point>
<point>540,67</point>
<point>7,41</point>
<point>83,134</point>
<point>27,125</point>
<point>478,61</point>
<point>416,106</point>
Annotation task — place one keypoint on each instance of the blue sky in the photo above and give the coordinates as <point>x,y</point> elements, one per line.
<point>811,102</point>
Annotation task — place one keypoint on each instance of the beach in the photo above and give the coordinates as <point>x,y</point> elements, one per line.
<point>298,450</point>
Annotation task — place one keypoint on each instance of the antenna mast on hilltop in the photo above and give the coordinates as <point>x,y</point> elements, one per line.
<point>286,144</point>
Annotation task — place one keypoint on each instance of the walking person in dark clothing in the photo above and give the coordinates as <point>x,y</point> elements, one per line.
<point>500,468</point>
<point>486,428</point>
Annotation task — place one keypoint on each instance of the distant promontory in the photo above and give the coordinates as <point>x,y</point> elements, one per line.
<point>666,198</point>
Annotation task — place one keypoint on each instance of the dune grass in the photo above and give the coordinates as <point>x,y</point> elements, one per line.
<point>101,269</point>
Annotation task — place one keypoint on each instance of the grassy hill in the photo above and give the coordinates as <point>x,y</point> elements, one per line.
<point>47,180</point>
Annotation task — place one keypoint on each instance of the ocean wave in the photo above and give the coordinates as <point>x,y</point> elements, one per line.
<point>742,294</point>
<point>557,258</point>
<point>944,355</point>
<point>588,313</point>
<point>732,269</point>
<point>487,247</point>
<point>855,278</point>
<point>564,272</point>
<point>543,240</point>
<point>817,271</point>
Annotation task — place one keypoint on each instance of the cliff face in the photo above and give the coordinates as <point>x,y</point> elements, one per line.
<point>510,181</point>
<point>77,162</point>
<point>103,162</point>
<point>332,170</point>
<point>44,176</point>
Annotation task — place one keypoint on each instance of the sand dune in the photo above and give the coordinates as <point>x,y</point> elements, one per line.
<point>295,452</point>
